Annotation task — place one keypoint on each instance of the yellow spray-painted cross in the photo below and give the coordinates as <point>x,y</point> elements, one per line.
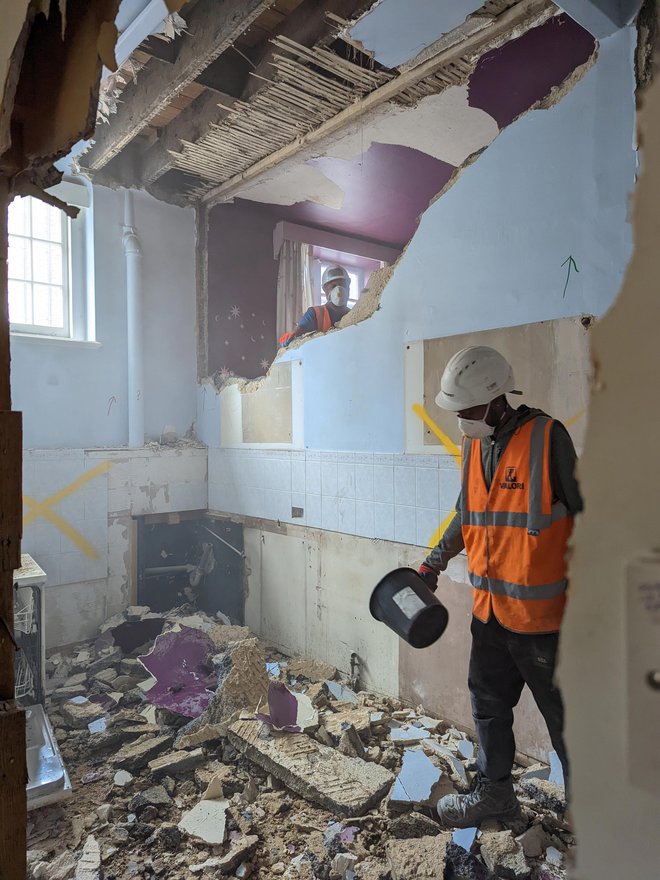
<point>37,509</point>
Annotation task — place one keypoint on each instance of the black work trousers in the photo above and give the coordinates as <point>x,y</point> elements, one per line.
<point>501,664</point>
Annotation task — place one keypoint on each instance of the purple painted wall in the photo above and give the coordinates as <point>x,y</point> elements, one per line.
<point>385,190</point>
<point>511,79</point>
<point>242,274</point>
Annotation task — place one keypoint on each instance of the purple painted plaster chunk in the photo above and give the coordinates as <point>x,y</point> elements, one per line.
<point>511,79</point>
<point>180,663</point>
<point>282,708</point>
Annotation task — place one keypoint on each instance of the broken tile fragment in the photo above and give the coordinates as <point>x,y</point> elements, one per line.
<point>434,747</point>
<point>347,786</point>
<point>466,750</point>
<point>410,825</point>
<point>464,837</point>
<point>206,821</point>
<point>341,692</point>
<point>79,713</point>
<point>205,734</point>
<point>408,734</point>
<point>556,770</point>
<point>122,778</point>
<point>417,781</point>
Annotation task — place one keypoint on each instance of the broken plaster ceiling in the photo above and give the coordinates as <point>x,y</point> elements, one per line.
<point>395,33</point>
<point>443,126</point>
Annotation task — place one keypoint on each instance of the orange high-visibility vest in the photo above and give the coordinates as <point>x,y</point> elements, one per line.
<point>323,319</point>
<point>515,536</point>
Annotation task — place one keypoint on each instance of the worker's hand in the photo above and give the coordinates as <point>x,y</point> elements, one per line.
<point>429,575</point>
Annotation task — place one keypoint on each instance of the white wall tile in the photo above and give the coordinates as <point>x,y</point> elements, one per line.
<point>298,476</point>
<point>364,519</point>
<point>345,480</point>
<point>405,527</point>
<point>427,491</point>
<point>330,513</point>
<point>313,512</point>
<point>450,486</point>
<point>404,486</point>
<point>428,521</point>
<point>364,482</point>
<point>313,477</point>
<point>329,478</point>
<point>346,510</point>
<point>383,483</point>
<point>364,458</point>
<point>384,521</point>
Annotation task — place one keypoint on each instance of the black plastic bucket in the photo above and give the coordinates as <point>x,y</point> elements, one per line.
<point>403,602</point>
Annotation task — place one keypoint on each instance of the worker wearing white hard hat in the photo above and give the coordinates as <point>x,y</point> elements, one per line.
<point>513,518</point>
<point>335,283</point>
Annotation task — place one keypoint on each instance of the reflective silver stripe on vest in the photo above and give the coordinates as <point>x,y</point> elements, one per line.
<point>534,520</point>
<point>465,468</point>
<point>518,591</point>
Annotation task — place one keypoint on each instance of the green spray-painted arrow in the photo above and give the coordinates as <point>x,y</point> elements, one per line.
<point>571,264</point>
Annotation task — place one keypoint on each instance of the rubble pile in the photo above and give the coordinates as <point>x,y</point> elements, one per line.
<point>195,751</point>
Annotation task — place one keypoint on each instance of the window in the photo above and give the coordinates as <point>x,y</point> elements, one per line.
<point>357,279</point>
<point>39,268</point>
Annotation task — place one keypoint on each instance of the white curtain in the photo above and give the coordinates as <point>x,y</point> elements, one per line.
<point>294,284</point>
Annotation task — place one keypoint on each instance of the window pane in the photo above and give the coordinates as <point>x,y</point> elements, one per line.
<point>20,303</point>
<point>46,221</point>
<point>47,262</point>
<point>19,217</point>
<point>19,265</point>
<point>48,306</point>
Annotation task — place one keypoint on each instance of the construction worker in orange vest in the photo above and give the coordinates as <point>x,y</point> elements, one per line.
<point>336,284</point>
<point>514,517</point>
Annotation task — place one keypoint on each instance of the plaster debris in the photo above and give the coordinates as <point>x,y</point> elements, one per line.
<point>504,856</point>
<point>225,795</point>
<point>347,786</point>
<point>421,857</point>
<point>89,866</point>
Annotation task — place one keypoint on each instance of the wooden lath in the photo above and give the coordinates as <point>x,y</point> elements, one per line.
<point>308,87</point>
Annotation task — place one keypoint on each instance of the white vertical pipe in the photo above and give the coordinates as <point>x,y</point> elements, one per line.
<point>133,255</point>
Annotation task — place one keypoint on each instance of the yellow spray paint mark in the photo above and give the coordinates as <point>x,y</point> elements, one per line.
<point>574,419</point>
<point>435,540</point>
<point>44,509</point>
<point>446,441</point>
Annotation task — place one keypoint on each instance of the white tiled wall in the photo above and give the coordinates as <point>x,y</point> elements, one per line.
<point>400,498</point>
<point>137,482</point>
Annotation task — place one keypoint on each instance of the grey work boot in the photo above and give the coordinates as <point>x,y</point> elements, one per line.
<point>487,800</point>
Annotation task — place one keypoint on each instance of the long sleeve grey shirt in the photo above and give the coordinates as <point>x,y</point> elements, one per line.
<point>562,477</point>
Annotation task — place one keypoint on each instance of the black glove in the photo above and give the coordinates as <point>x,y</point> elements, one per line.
<point>429,576</point>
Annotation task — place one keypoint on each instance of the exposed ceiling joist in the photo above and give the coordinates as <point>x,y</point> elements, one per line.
<point>213,27</point>
<point>519,18</point>
<point>307,24</point>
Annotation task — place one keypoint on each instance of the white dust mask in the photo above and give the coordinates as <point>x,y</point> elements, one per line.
<point>476,429</point>
<point>338,296</point>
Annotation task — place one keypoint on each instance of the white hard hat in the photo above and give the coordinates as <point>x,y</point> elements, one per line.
<point>474,376</point>
<point>335,273</point>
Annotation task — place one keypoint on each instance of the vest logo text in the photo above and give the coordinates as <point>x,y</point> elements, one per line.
<point>511,479</point>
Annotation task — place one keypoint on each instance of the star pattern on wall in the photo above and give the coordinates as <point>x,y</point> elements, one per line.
<point>234,312</point>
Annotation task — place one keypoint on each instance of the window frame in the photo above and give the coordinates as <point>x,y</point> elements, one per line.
<point>32,329</point>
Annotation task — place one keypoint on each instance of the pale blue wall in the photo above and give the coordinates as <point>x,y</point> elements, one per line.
<point>489,253</point>
<point>63,390</point>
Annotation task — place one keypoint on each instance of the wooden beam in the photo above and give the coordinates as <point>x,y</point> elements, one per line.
<point>213,26</point>
<point>13,795</point>
<point>526,14</point>
<point>307,24</point>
